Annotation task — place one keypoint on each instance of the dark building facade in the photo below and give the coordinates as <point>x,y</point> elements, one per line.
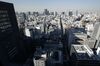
<point>8,30</point>
<point>8,22</point>
<point>13,49</point>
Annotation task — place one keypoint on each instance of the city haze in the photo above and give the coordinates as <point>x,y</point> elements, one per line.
<point>55,5</point>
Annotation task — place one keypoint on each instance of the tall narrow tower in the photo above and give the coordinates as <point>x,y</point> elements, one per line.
<point>44,25</point>
<point>61,26</point>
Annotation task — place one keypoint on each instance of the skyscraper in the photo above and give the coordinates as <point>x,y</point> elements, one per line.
<point>9,33</point>
<point>46,12</point>
<point>70,13</point>
<point>12,47</point>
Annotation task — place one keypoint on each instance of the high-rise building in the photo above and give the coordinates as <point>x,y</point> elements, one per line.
<point>77,12</point>
<point>96,34</point>
<point>61,24</point>
<point>55,14</point>
<point>8,30</point>
<point>46,12</point>
<point>70,13</point>
<point>8,22</point>
<point>82,55</point>
<point>12,46</point>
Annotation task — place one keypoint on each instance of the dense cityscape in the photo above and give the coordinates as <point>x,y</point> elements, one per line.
<point>49,38</point>
<point>62,31</point>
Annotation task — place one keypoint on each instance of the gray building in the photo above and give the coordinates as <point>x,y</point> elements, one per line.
<point>93,41</point>
<point>82,55</point>
<point>70,13</point>
<point>76,36</point>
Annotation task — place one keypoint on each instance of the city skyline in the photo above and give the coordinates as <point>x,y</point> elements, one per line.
<point>55,5</point>
<point>48,38</point>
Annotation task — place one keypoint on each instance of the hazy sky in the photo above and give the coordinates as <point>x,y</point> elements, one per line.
<point>54,5</point>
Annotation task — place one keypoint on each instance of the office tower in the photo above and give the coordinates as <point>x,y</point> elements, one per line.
<point>77,12</point>
<point>45,26</point>
<point>23,15</point>
<point>61,25</point>
<point>8,30</point>
<point>96,29</point>
<point>55,14</point>
<point>94,38</point>
<point>82,55</point>
<point>46,12</point>
<point>70,13</point>
<point>13,48</point>
<point>76,36</point>
<point>96,35</point>
<point>8,22</point>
